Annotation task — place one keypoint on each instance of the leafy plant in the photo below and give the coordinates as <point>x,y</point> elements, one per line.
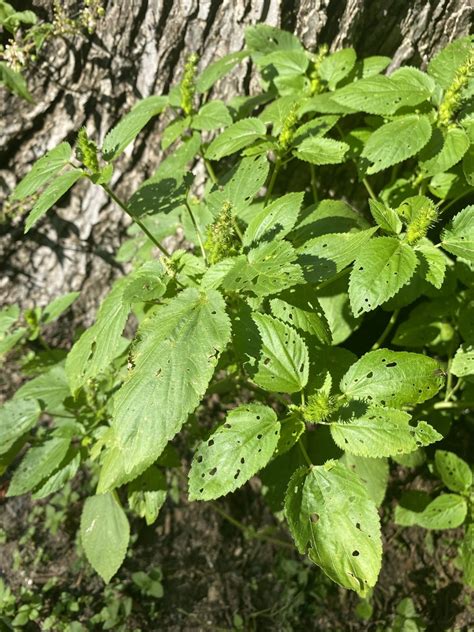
<point>291,261</point>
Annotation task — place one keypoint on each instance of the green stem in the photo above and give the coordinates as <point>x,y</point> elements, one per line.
<point>237,229</point>
<point>461,405</point>
<point>334,278</point>
<point>304,453</point>
<point>313,183</point>
<point>386,331</point>
<point>454,200</point>
<point>369,189</point>
<point>210,171</point>
<point>273,178</point>
<point>198,231</point>
<point>124,207</point>
<point>453,390</point>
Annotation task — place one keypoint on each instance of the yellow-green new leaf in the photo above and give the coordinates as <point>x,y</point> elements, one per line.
<point>458,238</point>
<point>454,471</point>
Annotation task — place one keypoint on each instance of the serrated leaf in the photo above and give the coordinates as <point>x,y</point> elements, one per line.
<point>275,220</point>
<point>447,511</point>
<point>174,130</point>
<point>444,65</point>
<point>420,81</point>
<point>147,494</point>
<point>291,429</point>
<point>38,463</point>
<point>262,39</point>
<point>321,151</point>
<point>334,300</point>
<point>105,533</point>
<point>218,69</point>
<point>463,362</point>
<point>288,63</point>
<point>14,81</point>
<point>234,452</point>
<point>385,217</point>
<point>211,116</point>
<point>50,389</point>
<point>373,473</point>
<point>42,171</point>
<point>374,431</point>
<point>467,553</point>
<point>396,141</point>
<point>336,66</point>
<point>16,418</point>
<point>333,519</point>
<point>120,136</point>
<point>383,266</point>
<point>442,153</point>
<point>166,383</point>
<point>283,364</point>
<point>458,238</point>
<point>300,307</point>
<point>454,471</point>
<point>58,306</point>
<point>392,378</point>
<point>236,137</point>
<point>98,345</point>
<point>380,95</point>
<point>58,187</point>
<point>325,256</point>
<point>436,263</point>
<point>468,165</point>
<point>428,324</point>
<point>64,473</point>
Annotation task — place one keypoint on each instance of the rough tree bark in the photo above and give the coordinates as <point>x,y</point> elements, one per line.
<point>139,49</point>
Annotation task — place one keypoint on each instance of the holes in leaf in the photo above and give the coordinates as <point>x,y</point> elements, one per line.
<point>242,460</point>
<point>210,443</point>
<point>314,518</point>
<point>213,471</point>
<point>355,553</point>
<point>266,361</point>
<point>358,525</point>
<point>391,364</point>
<point>369,375</point>
<point>199,459</point>
<point>236,475</point>
<point>227,425</point>
<point>259,436</point>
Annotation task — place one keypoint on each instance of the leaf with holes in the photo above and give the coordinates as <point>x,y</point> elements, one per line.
<point>275,220</point>
<point>382,268</point>
<point>333,519</point>
<point>454,471</point>
<point>234,453</point>
<point>236,137</point>
<point>373,473</point>
<point>167,381</point>
<point>444,66</point>
<point>393,378</point>
<point>283,364</point>
<point>447,511</point>
<point>105,533</point>
<point>375,431</point>
<point>436,263</point>
<point>463,362</point>
<point>336,66</point>
<point>300,307</point>
<point>211,116</point>
<point>458,238</point>
<point>442,153</point>
<point>396,141</point>
<point>385,217</point>
<point>291,429</point>
<point>321,151</point>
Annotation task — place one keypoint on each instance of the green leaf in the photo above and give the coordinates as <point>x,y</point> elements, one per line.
<point>218,69</point>
<point>323,257</point>
<point>64,473</point>
<point>333,519</point>
<point>262,39</point>
<point>334,300</point>
<point>234,452</point>
<point>58,306</point>
<point>454,471</point>
<point>444,65</point>
<point>211,116</point>
<point>147,494</point>
<point>168,379</point>
<point>468,165</point>
<point>300,307</point>
<point>436,263</point>
<point>105,534</point>
<point>396,141</point>
<point>236,137</point>
<point>468,555</point>
<point>14,81</point>
<point>393,378</point>
<point>383,266</point>
<point>385,217</point>
<point>375,431</point>
<point>275,220</point>
<point>50,389</point>
<point>58,187</point>
<point>428,324</point>
<point>38,463</point>
<point>458,238</point>
<point>447,511</point>
<point>420,81</point>
<point>336,66</point>
<point>321,151</point>
<point>442,153</point>
<point>119,137</point>
<point>291,429</point>
<point>99,345</point>
<point>283,364</point>
<point>16,418</point>
<point>373,473</point>
<point>174,130</point>
<point>463,361</point>
<point>42,171</point>
<point>380,95</point>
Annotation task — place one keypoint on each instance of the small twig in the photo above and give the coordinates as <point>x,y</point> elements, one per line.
<point>383,336</point>
<point>197,229</point>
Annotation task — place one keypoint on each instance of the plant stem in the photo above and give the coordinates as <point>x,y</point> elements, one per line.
<point>334,278</point>
<point>461,405</point>
<point>386,331</point>
<point>369,189</point>
<point>454,200</point>
<point>210,171</point>
<point>313,183</point>
<point>271,184</point>
<point>124,207</point>
<point>198,231</point>
<point>453,390</point>
<point>249,532</point>
<point>304,453</point>
<point>237,229</point>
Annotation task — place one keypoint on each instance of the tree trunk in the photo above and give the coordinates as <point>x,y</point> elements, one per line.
<point>139,49</point>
